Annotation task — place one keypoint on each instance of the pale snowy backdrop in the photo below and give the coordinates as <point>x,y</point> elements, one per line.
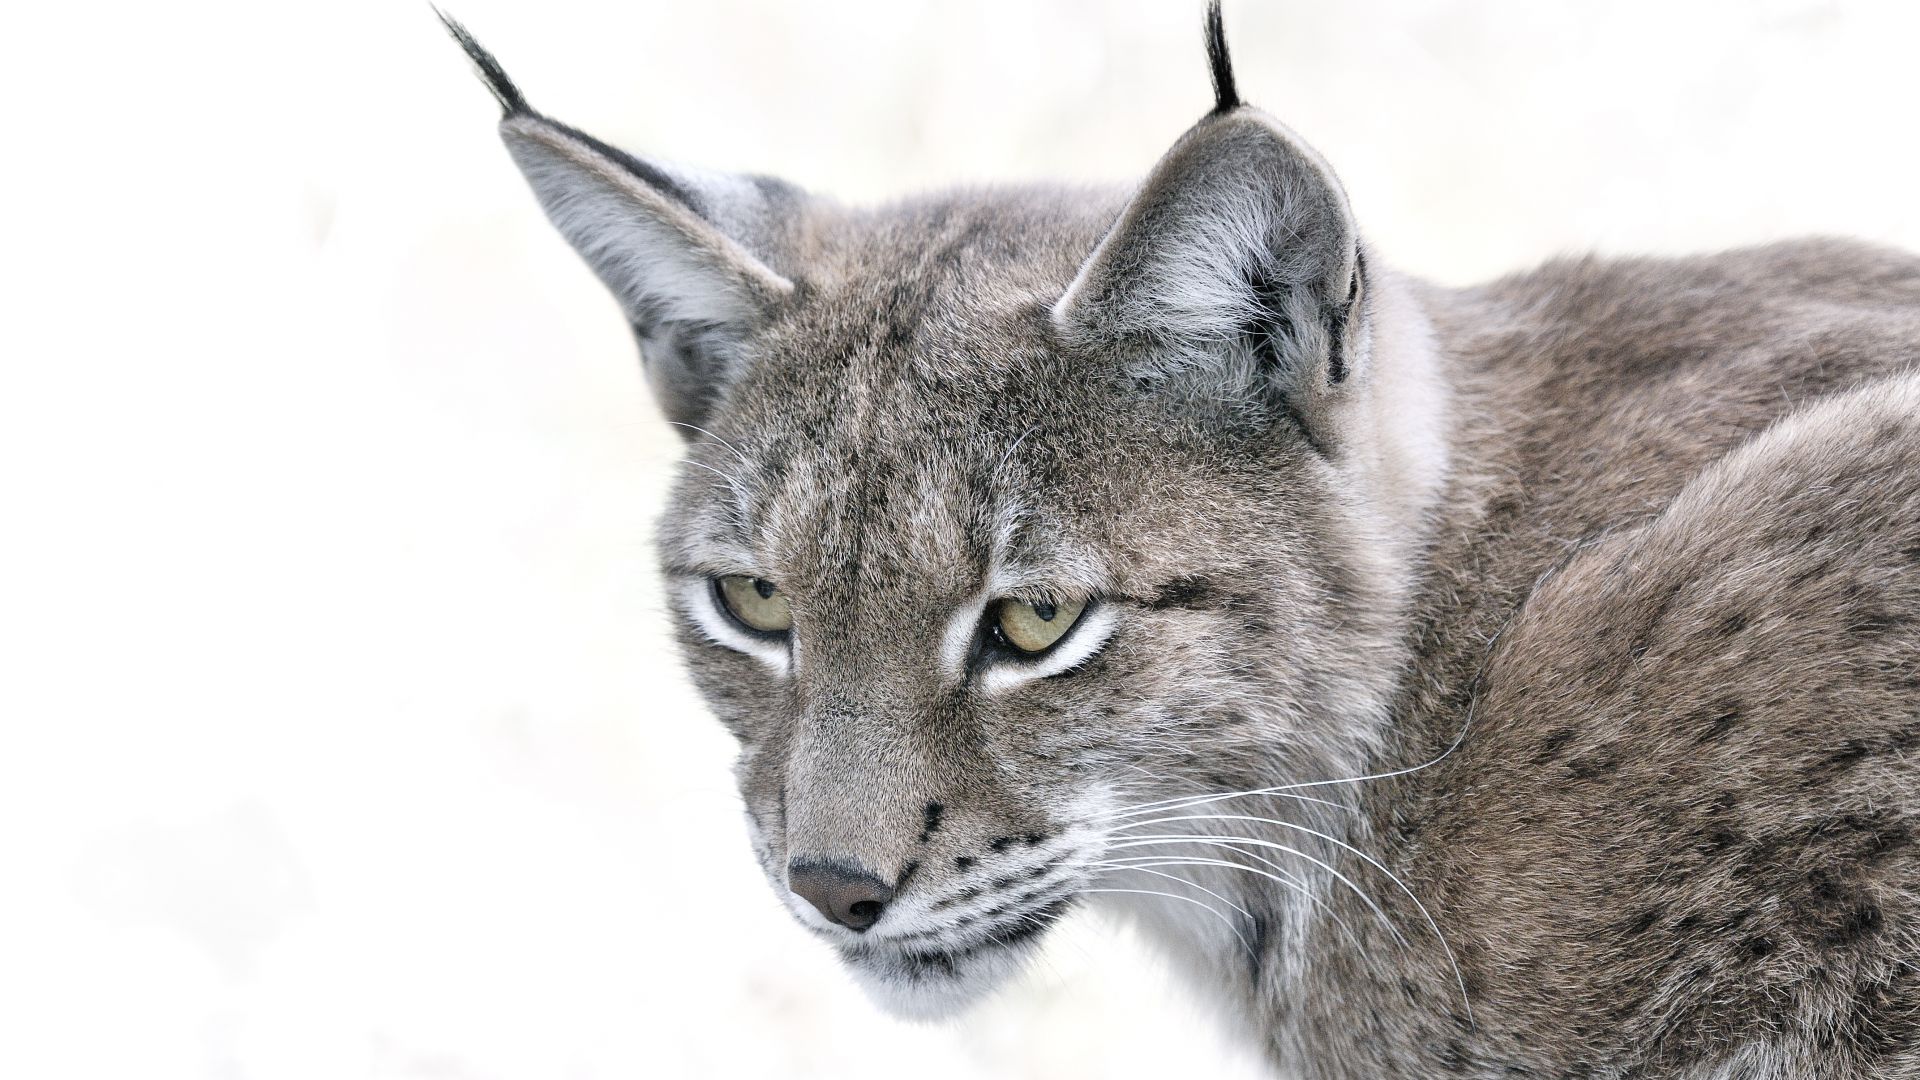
<point>341,735</point>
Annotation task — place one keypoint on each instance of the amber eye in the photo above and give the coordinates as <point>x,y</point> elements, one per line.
<point>1034,628</point>
<point>756,602</point>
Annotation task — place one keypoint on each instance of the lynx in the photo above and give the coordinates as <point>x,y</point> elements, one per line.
<point>1516,680</point>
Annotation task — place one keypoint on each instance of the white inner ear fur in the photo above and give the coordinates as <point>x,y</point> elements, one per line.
<point>697,602</point>
<point>1214,233</point>
<point>659,258</point>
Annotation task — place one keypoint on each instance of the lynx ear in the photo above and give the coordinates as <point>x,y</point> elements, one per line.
<point>683,251</point>
<point>1235,273</point>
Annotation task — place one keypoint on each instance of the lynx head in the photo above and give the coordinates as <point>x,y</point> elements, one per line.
<point>1008,511</point>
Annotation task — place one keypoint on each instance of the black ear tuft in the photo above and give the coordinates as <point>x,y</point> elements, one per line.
<point>490,70</point>
<point>1225,97</point>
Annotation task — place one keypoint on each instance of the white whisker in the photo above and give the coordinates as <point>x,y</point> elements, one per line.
<point>1186,801</point>
<point>1175,896</point>
<point>1160,840</point>
<point>744,460</point>
<point>1278,874</point>
<point>731,481</point>
<point>1432,924</point>
<point>1115,867</point>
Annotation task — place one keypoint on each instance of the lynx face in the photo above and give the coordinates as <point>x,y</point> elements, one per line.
<point>1007,514</point>
<point>922,469</point>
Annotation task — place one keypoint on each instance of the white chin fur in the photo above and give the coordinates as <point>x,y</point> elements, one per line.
<point>921,990</point>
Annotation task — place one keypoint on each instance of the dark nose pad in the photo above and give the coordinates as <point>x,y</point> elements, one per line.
<point>843,893</point>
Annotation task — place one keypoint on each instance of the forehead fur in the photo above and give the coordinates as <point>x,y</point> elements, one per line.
<point>910,417</point>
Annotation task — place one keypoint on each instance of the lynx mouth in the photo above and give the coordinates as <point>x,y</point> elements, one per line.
<point>922,982</point>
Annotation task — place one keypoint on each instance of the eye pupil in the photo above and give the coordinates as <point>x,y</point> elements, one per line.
<point>1033,628</point>
<point>755,602</point>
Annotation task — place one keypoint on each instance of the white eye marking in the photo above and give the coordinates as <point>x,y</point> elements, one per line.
<point>697,601</point>
<point>1078,645</point>
<point>958,641</point>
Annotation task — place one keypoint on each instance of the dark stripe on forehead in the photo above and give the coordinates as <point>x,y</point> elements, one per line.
<point>1193,593</point>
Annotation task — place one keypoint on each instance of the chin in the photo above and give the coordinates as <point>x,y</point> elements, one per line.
<point>935,986</point>
<point>916,984</point>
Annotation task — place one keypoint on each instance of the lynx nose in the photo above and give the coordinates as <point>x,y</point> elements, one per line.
<point>843,893</point>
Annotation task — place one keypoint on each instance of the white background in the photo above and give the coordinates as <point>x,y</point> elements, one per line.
<point>341,735</point>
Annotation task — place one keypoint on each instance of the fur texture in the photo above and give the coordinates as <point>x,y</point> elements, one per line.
<point>1511,681</point>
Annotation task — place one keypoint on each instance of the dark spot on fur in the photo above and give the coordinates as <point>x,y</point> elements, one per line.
<point>1642,922</point>
<point>1818,569</point>
<point>1643,638</point>
<point>1594,766</point>
<point>960,897</point>
<point>1506,506</point>
<point>1720,720</point>
<point>1551,746</point>
<point>1837,761</point>
<point>1882,840</point>
<point>1001,844</point>
<point>1183,592</point>
<point>1859,923</point>
<point>1758,948</point>
<point>1824,887</point>
<point>963,863</point>
<point>1731,625</point>
<point>1033,839</point>
<point>1870,623</point>
<point>1718,840</point>
<point>906,874</point>
<point>930,820</point>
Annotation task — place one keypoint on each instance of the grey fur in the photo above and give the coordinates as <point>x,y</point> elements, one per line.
<point>1564,629</point>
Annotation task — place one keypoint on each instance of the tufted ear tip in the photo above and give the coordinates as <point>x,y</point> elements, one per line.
<point>512,102</point>
<point>686,252</point>
<point>1226,97</point>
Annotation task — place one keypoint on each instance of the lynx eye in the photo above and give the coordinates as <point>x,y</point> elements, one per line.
<point>755,603</point>
<point>1033,628</point>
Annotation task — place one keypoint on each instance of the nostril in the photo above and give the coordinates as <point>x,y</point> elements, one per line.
<point>842,891</point>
